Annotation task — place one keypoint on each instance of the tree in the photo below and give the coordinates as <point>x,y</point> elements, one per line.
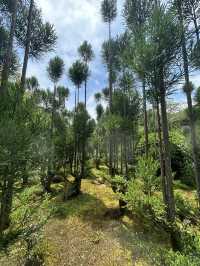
<point>191,14</point>
<point>33,35</point>
<point>161,54</point>
<point>55,71</point>
<point>9,49</point>
<point>19,130</point>
<point>78,74</point>
<point>32,84</point>
<point>87,54</point>
<point>109,13</point>
<point>136,14</point>
<point>3,44</point>
<point>195,149</point>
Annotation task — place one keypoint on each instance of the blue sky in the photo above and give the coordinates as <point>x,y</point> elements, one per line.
<point>76,21</point>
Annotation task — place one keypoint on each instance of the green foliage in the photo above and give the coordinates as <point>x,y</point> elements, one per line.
<point>78,73</point>
<point>109,10</point>
<point>3,45</point>
<point>83,126</point>
<point>185,209</point>
<point>197,96</point>
<point>32,83</point>
<point>86,52</point>
<point>55,69</point>
<point>146,170</point>
<point>136,13</point>
<point>43,36</point>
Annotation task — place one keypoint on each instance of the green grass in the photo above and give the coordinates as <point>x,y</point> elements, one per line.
<point>82,231</point>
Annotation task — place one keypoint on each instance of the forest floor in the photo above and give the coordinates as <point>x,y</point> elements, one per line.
<point>87,231</point>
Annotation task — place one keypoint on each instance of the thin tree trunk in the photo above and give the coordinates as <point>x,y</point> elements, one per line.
<point>85,93</point>
<point>196,25</point>
<point>121,155</point>
<point>190,108</point>
<point>111,170</point>
<point>145,119</point>
<point>167,158</point>
<point>162,165</point>
<point>125,156</point>
<point>28,41</point>
<point>51,161</point>
<point>110,70</point>
<point>8,57</point>
<point>83,161</point>
<point>6,202</point>
<point>78,95</point>
<point>75,100</point>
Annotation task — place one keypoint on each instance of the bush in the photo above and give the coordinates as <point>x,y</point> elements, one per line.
<point>182,164</point>
<point>146,170</point>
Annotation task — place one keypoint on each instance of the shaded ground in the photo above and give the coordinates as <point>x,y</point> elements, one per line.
<point>84,234</point>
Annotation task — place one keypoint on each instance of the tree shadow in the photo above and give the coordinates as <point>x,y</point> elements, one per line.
<point>142,238</point>
<point>86,206</point>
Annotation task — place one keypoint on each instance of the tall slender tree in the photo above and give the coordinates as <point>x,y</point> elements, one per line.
<point>87,54</point>
<point>55,71</point>
<point>78,73</point>
<point>109,13</point>
<point>136,14</point>
<point>195,149</point>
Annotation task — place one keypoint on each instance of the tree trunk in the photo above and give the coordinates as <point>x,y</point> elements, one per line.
<point>166,152</point>
<point>28,41</point>
<point>78,96</point>
<point>162,165</point>
<point>111,170</point>
<point>83,161</point>
<point>125,156</point>
<point>145,119</point>
<point>6,202</point>
<point>51,160</point>
<point>75,100</point>
<point>86,93</point>
<point>190,108</point>
<point>8,57</point>
<point>196,25</point>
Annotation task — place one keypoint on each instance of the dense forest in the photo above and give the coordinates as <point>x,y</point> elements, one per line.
<point>121,188</point>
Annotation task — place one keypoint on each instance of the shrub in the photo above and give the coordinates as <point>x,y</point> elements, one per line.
<point>146,170</point>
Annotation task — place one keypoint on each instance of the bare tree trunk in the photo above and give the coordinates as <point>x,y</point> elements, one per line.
<point>8,57</point>
<point>162,165</point>
<point>51,161</point>
<point>125,156</point>
<point>27,48</point>
<point>75,100</point>
<point>121,155</point>
<point>111,171</point>
<point>86,93</point>
<point>145,118</point>
<point>6,202</point>
<point>166,152</point>
<point>78,94</point>
<point>196,25</point>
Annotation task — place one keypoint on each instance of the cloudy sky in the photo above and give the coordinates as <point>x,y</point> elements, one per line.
<point>76,21</point>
